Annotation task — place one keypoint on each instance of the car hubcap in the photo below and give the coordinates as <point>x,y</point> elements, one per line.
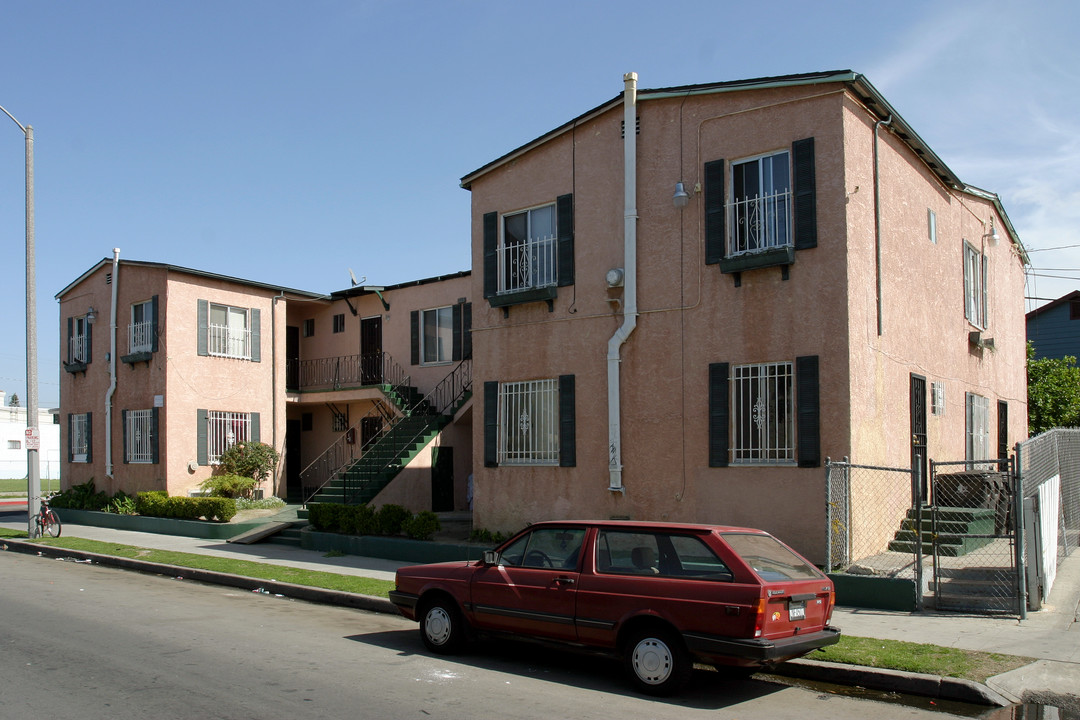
<point>652,661</point>
<point>437,625</point>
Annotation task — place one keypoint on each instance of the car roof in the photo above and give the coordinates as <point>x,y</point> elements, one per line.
<point>645,524</point>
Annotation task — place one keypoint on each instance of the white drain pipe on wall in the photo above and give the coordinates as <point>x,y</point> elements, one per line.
<point>630,312</point>
<point>112,363</point>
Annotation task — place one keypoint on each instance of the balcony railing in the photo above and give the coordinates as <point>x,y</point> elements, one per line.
<point>760,223</point>
<point>225,341</point>
<point>78,348</point>
<point>527,265</point>
<point>344,371</point>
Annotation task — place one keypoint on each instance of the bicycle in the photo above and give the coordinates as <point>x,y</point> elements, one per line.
<point>46,521</point>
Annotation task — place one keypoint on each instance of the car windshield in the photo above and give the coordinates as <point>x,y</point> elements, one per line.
<point>769,558</point>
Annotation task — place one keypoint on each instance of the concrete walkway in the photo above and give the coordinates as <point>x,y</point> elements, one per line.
<point>1050,636</point>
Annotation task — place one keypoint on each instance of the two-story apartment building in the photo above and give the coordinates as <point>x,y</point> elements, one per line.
<point>687,298</point>
<point>164,367</point>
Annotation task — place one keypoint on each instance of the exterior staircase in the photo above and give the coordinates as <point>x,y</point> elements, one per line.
<point>955,530</point>
<point>422,419</point>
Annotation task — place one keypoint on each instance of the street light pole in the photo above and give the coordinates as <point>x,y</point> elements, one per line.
<point>33,477</point>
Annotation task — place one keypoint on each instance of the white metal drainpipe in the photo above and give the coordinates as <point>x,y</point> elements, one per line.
<point>630,312</point>
<point>112,363</point>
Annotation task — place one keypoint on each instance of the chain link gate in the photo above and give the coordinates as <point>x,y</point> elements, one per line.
<point>970,525</point>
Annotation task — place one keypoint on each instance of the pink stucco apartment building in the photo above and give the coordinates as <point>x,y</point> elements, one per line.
<point>687,298</point>
<point>163,367</point>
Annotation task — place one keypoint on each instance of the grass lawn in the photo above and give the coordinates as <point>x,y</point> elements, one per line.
<point>870,652</point>
<point>18,485</point>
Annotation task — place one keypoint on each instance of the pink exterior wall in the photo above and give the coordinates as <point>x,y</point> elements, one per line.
<point>693,315</point>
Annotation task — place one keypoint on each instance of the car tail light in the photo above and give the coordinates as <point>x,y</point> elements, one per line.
<point>832,604</point>
<point>759,616</point>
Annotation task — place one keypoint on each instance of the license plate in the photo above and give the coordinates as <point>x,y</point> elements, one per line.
<point>796,611</point>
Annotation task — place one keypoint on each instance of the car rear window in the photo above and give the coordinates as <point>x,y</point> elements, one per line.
<point>769,558</point>
<point>659,554</point>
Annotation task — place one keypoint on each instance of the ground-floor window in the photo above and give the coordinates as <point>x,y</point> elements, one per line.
<point>79,437</point>
<point>225,429</point>
<point>139,436</point>
<point>978,429</point>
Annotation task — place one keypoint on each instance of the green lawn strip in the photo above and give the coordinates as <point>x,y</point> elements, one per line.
<point>244,568</point>
<point>18,485</point>
<point>919,658</point>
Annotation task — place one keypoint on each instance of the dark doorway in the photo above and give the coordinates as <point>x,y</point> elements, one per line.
<point>442,479</point>
<point>292,358</point>
<point>371,364</point>
<point>1003,435</point>
<point>294,490</point>
<point>370,430</point>
<point>919,481</point>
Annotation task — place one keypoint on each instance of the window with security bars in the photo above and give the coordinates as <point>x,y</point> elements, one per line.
<point>978,431</point>
<point>529,423</point>
<point>138,436</point>
<point>528,253</point>
<point>225,429</point>
<point>80,437</point>
<point>937,398</point>
<point>762,413</point>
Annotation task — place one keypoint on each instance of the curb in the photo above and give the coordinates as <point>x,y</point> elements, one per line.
<point>273,587</point>
<point>932,686</point>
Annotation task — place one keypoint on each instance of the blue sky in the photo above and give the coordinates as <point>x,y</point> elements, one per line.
<point>287,142</point>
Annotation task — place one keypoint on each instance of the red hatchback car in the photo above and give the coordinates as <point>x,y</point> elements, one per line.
<point>660,595</point>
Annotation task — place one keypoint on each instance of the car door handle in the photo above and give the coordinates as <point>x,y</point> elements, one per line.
<point>564,580</point>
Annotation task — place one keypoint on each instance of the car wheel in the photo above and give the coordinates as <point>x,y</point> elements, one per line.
<point>441,627</point>
<point>657,661</point>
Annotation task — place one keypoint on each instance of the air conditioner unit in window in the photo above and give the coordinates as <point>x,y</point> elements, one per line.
<point>975,337</point>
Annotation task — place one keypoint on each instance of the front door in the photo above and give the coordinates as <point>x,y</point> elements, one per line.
<point>293,487</point>
<point>442,478</point>
<point>292,358</point>
<point>371,361</point>
<point>919,480</point>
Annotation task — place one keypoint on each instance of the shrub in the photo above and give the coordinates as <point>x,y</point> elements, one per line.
<point>358,520</point>
<point>390,519</point>
<point>121,504</point>
<point>483,535</point>
<point>229,486</point>
<point>87,497</point>
<point>422,526</point>
<point>158,504</point>
<point>324,516</point>
<point>255,460</point>
<point>269,503</point>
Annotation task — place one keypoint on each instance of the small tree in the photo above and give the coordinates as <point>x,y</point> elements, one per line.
<point>250,459</point>
<point>1053,392</point>
<point>14,400</point>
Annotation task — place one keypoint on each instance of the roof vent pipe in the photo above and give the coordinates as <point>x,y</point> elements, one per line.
<point>630,312</point>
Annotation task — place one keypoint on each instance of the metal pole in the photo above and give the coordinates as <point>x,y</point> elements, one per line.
<point>33,478</point>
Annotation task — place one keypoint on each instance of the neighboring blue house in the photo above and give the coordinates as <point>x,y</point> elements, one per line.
<point>1054,328</point>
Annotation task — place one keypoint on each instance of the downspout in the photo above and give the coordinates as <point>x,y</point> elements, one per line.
<point>629,279</point>
<point>112,363</point>
<point>273,374</point>
<point>877,224</point>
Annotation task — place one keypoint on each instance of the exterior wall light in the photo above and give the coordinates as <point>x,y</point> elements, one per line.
<point>681,197</point>
<point>91,315</point>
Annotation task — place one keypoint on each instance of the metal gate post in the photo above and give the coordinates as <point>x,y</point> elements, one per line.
<point>828,515</point>
<point>1018,532</point>
<point>916,487</point>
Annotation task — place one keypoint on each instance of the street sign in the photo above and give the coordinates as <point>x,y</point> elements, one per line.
<point>33,439</point>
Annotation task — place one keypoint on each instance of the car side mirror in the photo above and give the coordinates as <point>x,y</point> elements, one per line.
<point>491,557</point>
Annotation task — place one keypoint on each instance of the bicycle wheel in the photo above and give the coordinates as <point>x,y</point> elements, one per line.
<point>52,524</point>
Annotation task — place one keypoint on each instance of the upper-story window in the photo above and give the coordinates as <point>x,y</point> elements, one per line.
<point>79,351</point>
<point>141,329</point>
<point>975,296</point>
<point>760,208</point>
<point>437,338</point>
<point>339,323</point>
<point>527,254</point>
<point>309,327</point>
<point>227,331</point>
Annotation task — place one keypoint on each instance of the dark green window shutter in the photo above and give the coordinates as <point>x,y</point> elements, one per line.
<point>715,213</point>
<point>204,325</point>
<point>718,415</point>
<point>202,454</point>
<point>805,193</point>
<point>455,352</point>
<point>123,424</point>
<point>491,424</point>
<point>71,446</point>
<point>491,254</point>
<point>154,324</point>
<point>154,435</point>
<point>256,336</point>
<point>71,331</point>
<point>89,437</point>
<point>414,337</point>
<point>567,422</point>
<point>255,436</point>
<point>564,220</point>
<point>808,412</point>
<point>466,331</point>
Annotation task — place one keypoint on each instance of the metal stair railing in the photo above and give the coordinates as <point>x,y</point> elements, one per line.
<point>341,453</point>
<point>440,402</point>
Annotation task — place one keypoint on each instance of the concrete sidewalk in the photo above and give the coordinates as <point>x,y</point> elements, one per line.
<point>1050,636</point>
